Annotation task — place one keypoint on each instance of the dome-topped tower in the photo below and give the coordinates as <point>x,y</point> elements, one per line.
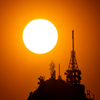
<point>73,73</point>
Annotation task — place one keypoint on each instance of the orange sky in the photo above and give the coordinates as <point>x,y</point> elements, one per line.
<point>20,68</point>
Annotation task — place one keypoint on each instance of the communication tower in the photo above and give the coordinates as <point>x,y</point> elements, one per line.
<point>52,71</point>
<point>73,73</point>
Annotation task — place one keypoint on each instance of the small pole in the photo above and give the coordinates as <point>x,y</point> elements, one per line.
<point>72,40</point>
<point>59,77</point>
<point>59,69</point>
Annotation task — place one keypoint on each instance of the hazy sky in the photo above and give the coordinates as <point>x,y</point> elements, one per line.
<point>20,68</point>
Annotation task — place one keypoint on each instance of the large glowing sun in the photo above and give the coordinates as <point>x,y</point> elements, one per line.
<point>40,36</point>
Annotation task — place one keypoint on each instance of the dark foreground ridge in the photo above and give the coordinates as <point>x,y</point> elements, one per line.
<point>58,89</point>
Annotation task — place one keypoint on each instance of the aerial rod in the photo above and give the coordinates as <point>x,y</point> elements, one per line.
<point>73,52</point>
<point>59,77</point>
<point>72,40</point>
<point>59,69</point>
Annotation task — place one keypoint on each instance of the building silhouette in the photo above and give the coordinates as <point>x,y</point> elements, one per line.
<point>58,89</point>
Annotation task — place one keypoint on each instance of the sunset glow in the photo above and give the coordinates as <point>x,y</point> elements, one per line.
<point>20,67</point>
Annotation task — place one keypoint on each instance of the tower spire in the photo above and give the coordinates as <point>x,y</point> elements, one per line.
<point>73,40</point>
<point>73,73</point>
<point>73,62</point>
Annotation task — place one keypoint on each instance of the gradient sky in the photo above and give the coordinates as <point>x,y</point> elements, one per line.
<point>20,68</point>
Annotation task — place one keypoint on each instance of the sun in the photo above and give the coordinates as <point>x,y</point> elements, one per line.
<point>40,36</point>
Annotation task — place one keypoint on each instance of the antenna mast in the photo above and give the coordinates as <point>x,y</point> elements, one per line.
<point>72,40</point>
<point>59,77</point>
<point>73,73</point>
<point>59,69</point>
<point>52,71</point>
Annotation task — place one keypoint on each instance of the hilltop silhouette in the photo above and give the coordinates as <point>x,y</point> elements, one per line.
<point>58,89</point>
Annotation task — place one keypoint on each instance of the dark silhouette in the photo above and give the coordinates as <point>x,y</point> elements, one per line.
<point>52,71</point>
<point>73,73</point>
<point>58,89</point>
